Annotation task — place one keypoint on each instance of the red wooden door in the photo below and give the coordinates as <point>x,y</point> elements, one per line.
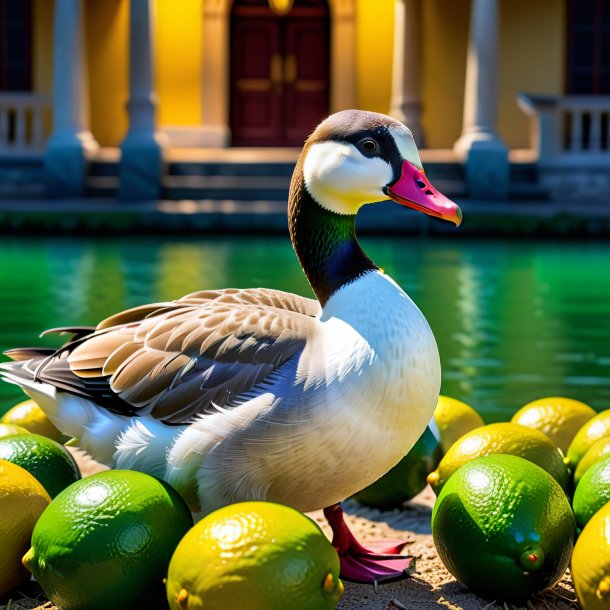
<point>279,72</point>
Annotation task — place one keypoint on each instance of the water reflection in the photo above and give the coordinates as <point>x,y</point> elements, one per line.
<point>513,320</point>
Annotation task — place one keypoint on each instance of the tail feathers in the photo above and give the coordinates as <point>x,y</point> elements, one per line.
<point>19,354</point>
<point>34,389</point>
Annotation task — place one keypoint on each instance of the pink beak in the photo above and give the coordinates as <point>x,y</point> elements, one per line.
<point>413,190</point>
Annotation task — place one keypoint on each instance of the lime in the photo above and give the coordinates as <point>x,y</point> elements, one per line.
<point>501,438</point>
<point>106,541</point>
<point>30,416</point>
<point>504,527</point>
<point>44,458</point>
<point>255,555</point>
<point>11,430</point>
<point>592,431</point>
<point>591,562</point>
<point>454,418</point>
<point>592,492</point>
<point>407,478</point>
<point>22,500</point>
<point>597,451</point>
<point>558,417</point>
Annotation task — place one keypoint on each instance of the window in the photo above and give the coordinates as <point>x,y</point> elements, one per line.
<point>15,45</point>
<point>588,61</point>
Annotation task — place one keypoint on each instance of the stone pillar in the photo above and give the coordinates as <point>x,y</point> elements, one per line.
<point>141,165</point>
<point>215,81</point>
<point>71,142</point>
<point>479,147</point>
<point>406,103</point>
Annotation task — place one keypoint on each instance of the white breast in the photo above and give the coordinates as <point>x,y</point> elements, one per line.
<point>356,401</point>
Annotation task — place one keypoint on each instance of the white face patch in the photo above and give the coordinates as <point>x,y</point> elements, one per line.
<point>341,179</point>
<point>406,145</point>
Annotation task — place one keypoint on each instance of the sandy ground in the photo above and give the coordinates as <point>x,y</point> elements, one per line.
<point>431,587</point>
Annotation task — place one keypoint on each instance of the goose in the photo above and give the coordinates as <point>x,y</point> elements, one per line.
<point>257,394</point>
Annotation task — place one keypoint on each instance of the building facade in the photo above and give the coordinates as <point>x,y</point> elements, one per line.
<point>475,78</point>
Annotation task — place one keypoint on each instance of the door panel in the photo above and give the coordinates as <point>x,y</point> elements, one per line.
<point>255,78</point>
<point>306,82</point>
<point>279,72</point>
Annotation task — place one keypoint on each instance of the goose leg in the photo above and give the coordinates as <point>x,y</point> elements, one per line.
<point>373,565</point>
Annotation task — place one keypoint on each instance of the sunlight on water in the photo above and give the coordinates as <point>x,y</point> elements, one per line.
<point>514,320</point>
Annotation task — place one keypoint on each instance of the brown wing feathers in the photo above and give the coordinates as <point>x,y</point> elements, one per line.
<point>178,359</point>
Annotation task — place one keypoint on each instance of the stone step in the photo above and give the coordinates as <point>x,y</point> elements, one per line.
<point>243,181</point>
<point>21,178</point>
<point>230,169</point>
<point>240,188</point>
<point>102,186</point>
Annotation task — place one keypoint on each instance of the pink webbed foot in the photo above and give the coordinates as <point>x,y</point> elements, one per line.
<point>379,562</point>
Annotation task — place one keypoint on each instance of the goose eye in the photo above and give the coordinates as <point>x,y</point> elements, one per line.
<point>368,145</point>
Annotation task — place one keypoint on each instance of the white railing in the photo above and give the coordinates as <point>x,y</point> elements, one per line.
<point>22,123</point>
<point>569,130</point>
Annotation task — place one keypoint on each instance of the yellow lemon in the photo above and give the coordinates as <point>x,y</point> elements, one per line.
<point>255,555</point>
<point>454,418</point>
<point>11,430</point>
<point>591,562</point>
<point>596,428</point>
<point>598,450</point>
<point>506,438</point>
<point>558,417</point>
<point>22,501</point>
<point>30,416</point>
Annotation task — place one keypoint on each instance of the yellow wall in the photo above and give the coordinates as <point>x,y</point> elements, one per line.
<point>531,59</point>
<point>444,45</point>
<point>106,28</point>
<point>374,40</point>
<point>179,61</point>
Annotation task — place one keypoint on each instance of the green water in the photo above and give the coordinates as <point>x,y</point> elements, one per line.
<point>514,320</point>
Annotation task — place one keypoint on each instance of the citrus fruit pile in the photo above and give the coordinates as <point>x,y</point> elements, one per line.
<point>517,502</point>
<point>106,540</point>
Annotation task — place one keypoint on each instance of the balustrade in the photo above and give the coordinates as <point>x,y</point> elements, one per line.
<point>22,120</point>
<point>573,129</point>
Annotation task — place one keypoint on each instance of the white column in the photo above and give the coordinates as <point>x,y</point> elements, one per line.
<point>406,103</point>
<point>485,155</point>
<point>71,142</point>
<point>141,165</point>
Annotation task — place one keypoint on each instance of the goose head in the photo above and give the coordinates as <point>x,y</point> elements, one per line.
<point>353,158</point>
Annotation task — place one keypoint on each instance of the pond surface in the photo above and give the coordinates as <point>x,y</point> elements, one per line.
<point>514,320</point>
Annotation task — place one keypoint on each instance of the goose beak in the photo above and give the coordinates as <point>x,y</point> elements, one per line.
<point>414,190</point>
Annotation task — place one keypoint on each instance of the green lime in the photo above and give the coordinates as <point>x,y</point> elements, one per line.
<point>591,562</point>
<point>47,460</point>
<point>504,527</point>
<point>30,416</point>
<point>503,437</point>
<point>22,500</point>
<point>407,478</point>
<point>254,555</point>
<point>106,541</point>
<point>596,428</point>
<point>11,430</point>
<point>592,492</point>
<point>558,417</point>
<point>454,418</point>
<point>597,451</point>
